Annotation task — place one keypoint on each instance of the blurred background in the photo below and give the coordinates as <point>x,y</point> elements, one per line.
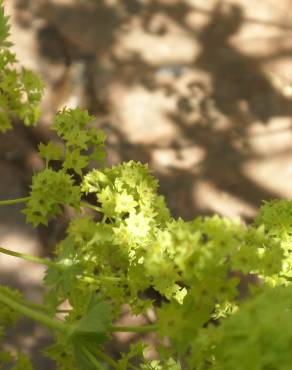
<point>199,89</point>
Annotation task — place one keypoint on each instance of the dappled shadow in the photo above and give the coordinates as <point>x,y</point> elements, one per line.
<point>240,91</point>
<point>236,77</point>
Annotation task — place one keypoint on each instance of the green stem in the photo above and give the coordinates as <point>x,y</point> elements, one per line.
<point>40,261</point>
<point>33,314</point>
<point>43,308</point>
<point>8,202</point>
<point>89,279</point>
<point>13,201</point>
<point>134,329</point>
<point>46,262</point>
<point>132,366</point>
<point>38,307</point>
<point>88,205</point>
<point>63,311</point>
<point>106,358</point>
<point>91,358</point>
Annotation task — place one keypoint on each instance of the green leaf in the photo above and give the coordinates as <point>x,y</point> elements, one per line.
<point>4,26</point>
<point>32,85</point>
<point>83,143</point>
<point>90,332</point>
<point>84,358</point>
<point>96,320</point>
<point>70,125</point>
<point>257,336</point>
<point>50,152</point>
<point>62,277</point>
<point>75,160</point>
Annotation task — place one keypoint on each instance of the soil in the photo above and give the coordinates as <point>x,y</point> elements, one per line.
<point>199,89</point>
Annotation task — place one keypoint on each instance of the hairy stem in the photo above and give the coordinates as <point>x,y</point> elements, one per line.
<point>40,261</point>
<point>33,314</point>
<point>102,356</point>
<point>49,263</point>
<point>88,205</point>
<point>89,279</point>
<point>134,329</point>
<point>8,202</point>
<point>13,201</point>
<point>91,358</point>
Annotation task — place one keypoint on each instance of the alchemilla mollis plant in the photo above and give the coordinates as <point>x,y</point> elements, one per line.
<point>130,246</point>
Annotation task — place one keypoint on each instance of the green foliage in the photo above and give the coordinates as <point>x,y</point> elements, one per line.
<point>8,318</point>
<point>50,190</point>
<point>50,152</point>
<point>82,143</point>
<point>87,334</point>
<point>4,27</point>
<point>219,291</point>
<point>257,337</point>
<point>276,217</point>
<point>20,90</point>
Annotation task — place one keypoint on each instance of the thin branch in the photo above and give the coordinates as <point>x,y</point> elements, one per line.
<point>38,260</point>
<point>8,202</point>
<point>134,329</point>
